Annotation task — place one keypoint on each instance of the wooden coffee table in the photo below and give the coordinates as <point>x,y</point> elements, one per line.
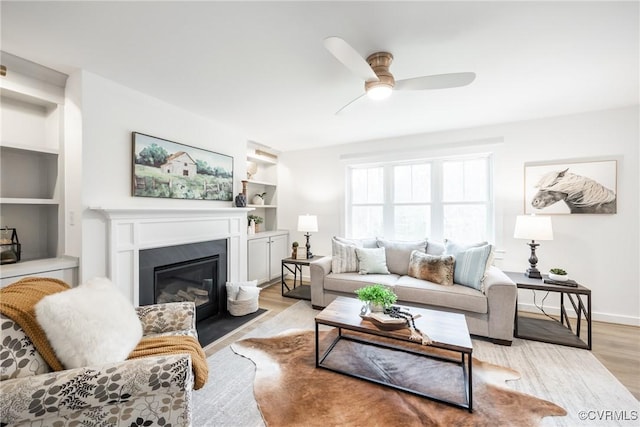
<point>448,331</point>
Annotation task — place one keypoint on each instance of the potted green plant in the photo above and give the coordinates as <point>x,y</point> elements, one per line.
<point>256,220</point>
<point>558,274</point>
<point>377,296</point>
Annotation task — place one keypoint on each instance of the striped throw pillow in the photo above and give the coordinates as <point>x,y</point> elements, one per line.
<point>471,264</point>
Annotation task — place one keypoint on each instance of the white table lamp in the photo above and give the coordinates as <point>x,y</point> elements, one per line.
<point>308,224</point>
<point>532,227</point>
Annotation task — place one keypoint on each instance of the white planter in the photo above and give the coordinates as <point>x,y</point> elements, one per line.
<point>558,277</point>
<point>257,200</point>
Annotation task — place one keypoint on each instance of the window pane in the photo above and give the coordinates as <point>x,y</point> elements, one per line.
<point>411,222</point>
<point>366,221</point>
<point>412,183</point>
<point>465,180</point>
<point>465,223</point>
<point>367,185</point>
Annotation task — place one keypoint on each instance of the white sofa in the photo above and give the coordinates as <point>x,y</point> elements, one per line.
<point>489,312</point>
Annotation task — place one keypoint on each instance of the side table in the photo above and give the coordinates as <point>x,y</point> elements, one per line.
<point>294,266</point>
<point>555,331</point>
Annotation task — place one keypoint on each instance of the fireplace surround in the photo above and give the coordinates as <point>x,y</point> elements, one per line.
<point>134,229</point>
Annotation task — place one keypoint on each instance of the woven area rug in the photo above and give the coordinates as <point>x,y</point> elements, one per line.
<point>571,378</point>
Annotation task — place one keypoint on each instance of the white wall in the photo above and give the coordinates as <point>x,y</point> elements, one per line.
<point>599,251</point>
<point>110,112</point>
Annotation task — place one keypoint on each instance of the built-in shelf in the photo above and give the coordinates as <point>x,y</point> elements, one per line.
<point>253,181</point>
<point>27,201</point>
<point>262,206</point>
<point>36,266</point>
<point>261,159</point>
<point>29,148</point>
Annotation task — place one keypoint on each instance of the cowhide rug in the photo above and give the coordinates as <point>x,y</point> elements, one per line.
<point>291,391</point>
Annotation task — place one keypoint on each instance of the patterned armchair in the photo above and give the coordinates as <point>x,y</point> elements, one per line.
<point>153,390</point>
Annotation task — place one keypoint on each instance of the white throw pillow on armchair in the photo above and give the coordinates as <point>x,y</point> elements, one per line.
<point>90,325</point>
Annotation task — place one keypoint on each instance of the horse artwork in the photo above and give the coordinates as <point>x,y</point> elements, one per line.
<point>561,188</point>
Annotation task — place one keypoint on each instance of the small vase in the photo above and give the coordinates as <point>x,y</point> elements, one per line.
<point>257,200</point>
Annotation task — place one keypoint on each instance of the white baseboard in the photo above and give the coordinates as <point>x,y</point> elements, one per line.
<point>600,317</point>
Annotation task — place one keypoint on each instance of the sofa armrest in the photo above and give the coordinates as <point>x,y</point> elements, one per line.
<point>318,270</point>
<point>169,317</point>
<point>501,294</point>
<point>62,393</point>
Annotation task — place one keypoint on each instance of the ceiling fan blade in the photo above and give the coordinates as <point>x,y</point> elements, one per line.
<point>350,58</point>
<point>437,81</point>
<point>349,104</point>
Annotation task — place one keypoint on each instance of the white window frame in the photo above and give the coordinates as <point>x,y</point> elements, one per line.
<point>436,203</point>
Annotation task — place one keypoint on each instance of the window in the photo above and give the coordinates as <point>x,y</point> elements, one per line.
<point>438,198</point>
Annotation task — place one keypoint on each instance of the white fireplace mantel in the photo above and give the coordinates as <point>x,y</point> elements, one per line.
<point>131,229</point>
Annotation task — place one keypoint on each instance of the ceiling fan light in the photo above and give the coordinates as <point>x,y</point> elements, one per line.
<point>380,91</point>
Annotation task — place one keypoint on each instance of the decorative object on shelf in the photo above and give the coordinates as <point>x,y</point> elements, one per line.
<point>244,187</point>
<point>294,249</point>
<point>377,296</point>
<point>257,220</point>
<point>9,246</point>
<point>584,187</point>
<point>258,199</point>
<point>3,70</point>
<point>252,169</point>
<point>308,224</point>
<point>167,169</point>
<point>532,227</point>
<point>558,275</point>
<point>241,200</point>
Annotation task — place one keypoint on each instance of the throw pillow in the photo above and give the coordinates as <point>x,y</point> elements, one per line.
<point>472,263</point>
<point>434,248</point>
<point>234,287</point>
<point>89,325</point>
<point>433,268</point>
<point>372,261</point>
<point>367,242</point>
<point>398,253</point>
<point>343,258</point>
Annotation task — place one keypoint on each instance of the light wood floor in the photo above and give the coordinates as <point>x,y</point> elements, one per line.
<point>617,347</point>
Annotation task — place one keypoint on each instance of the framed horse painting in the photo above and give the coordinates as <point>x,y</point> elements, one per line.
<point>571,187</point>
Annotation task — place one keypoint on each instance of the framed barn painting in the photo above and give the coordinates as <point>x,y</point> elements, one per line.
<point>167,169</point>
<point>571,187</point>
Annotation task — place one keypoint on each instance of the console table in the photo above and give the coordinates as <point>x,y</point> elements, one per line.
<point>555,331</point>
<point>294,266</point>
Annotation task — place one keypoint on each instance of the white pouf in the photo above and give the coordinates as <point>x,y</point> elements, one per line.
<point>242,297</point>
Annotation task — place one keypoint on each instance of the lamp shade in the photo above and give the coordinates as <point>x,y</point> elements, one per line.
<point>308,223</point>
<point>532,227</point>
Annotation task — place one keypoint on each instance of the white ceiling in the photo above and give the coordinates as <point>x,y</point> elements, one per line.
<point>261,67</point>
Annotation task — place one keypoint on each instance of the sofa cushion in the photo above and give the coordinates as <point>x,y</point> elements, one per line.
<point>456,297</point>
<point>433,268</point>
<point>343,256</point>
<point>371,261</point>
<point>399,252</point>
<point>89,325</point>
<point>472,262</point>
<point>349,282</point>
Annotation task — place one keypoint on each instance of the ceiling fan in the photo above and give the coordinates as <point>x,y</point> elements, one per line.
<point>378,80</point>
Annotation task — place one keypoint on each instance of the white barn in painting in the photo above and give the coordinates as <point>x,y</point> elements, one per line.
<point>180,163</point>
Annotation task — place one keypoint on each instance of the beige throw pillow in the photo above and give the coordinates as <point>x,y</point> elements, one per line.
<point>433,268</point>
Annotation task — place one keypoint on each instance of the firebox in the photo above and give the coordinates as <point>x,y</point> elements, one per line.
<point>194,272</point>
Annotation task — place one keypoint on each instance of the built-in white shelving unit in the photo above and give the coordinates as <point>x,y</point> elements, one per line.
<point>32,167</point>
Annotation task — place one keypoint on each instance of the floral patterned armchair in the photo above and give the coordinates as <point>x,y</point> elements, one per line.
<point>147,391</point>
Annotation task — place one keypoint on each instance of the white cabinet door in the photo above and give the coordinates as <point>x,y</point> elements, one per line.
<point>258,259</point>
<point>279,248</point>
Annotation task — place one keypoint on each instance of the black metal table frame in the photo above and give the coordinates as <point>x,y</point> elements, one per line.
<point>467,373</point>
<point>581,309</point>
<point>297,269</point>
